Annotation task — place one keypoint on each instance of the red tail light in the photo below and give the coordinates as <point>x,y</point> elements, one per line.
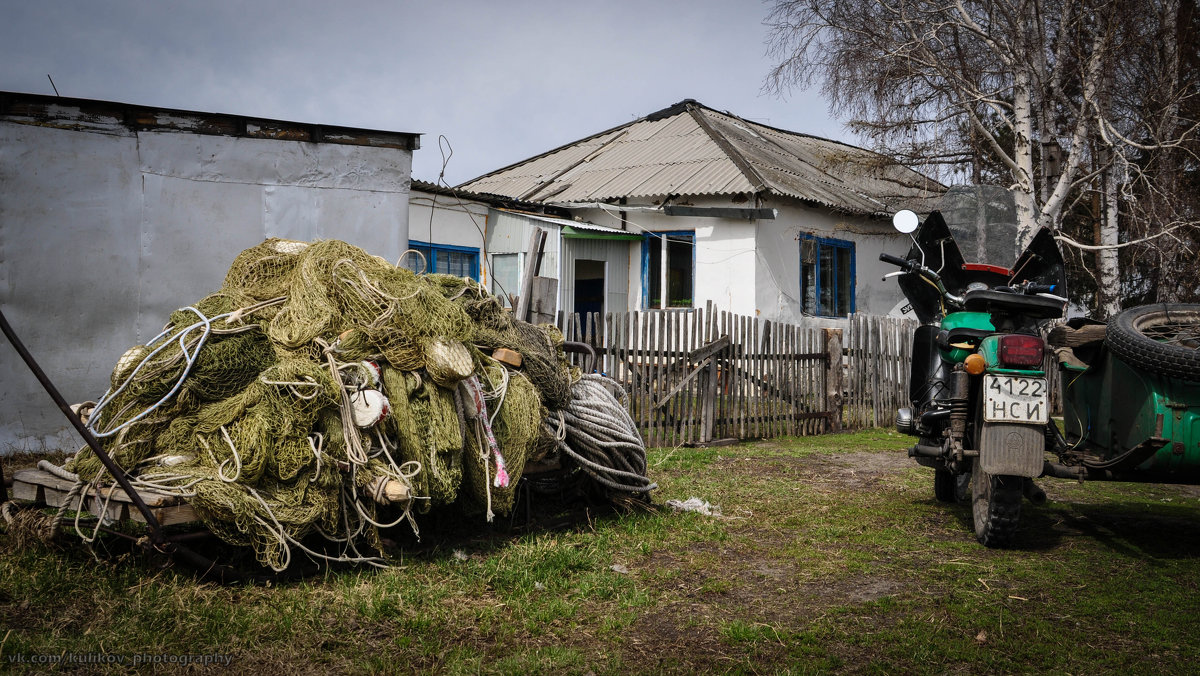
<point>1021,350</point>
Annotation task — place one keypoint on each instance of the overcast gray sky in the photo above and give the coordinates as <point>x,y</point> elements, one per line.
<point>503,81</point>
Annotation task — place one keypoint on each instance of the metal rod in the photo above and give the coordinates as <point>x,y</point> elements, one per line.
<point>156,534</point>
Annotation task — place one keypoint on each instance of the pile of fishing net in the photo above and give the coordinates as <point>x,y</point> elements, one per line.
<point>323,391</point>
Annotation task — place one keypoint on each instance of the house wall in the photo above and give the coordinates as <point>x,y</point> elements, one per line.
<point>777,280</point>
<point>753,267</point>
<point>725,260</point>
<point>441,219</point>
<point>104,231</point>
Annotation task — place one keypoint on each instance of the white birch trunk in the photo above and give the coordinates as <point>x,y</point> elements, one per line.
<point>1109,279</point>
<point>1025,194</point>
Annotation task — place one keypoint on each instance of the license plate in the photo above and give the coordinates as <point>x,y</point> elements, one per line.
<point>1015,399</point>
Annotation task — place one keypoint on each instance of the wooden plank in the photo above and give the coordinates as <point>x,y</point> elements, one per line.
<point>41,487</point>
<point>660,362</point>
<point>693,410</point>
<point>742,391</point>
<point>533,260</point>
<point>643,375</point>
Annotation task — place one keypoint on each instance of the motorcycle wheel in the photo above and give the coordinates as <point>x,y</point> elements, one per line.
<point>943,485</point>
<point>995,506</point>
<point>1162,338</point>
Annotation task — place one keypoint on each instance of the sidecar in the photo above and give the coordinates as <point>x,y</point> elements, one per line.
<point>1131,396</point>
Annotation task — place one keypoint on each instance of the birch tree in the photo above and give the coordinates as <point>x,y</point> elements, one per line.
<point>1044,88</point>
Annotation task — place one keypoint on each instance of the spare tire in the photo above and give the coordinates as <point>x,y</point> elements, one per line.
<point>1162,339</point>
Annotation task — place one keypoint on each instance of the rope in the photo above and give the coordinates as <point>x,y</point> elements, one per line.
<point>596,431</point>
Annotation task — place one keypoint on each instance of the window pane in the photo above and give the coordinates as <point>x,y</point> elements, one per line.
<point>845,281</point>
<point>653,271</point>
<point>505,276</point>
<point>457,263</point>
<point>419,263</point>
<point>679,272</point>
<point>826,270</point>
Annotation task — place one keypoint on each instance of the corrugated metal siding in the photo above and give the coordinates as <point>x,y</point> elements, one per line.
<point>616,276</point>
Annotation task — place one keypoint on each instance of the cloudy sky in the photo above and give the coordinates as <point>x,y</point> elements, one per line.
<point>501,80</point>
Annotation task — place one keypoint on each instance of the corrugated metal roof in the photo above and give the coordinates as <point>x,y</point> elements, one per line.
<point>689,149</point>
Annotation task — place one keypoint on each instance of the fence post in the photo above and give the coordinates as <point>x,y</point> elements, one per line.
<point>833,377</point>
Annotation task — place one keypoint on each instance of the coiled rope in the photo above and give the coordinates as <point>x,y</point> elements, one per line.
<point>596,431</point>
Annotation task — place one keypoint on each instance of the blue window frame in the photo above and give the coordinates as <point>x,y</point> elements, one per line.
<point>460,261</point>
<point>681,266</point>
<point>826,276</point>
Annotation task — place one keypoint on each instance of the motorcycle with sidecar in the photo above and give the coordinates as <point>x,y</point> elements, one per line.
<point>979,387</point>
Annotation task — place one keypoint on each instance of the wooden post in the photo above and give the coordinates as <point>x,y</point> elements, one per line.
<point>833,377</point>
<point>533,261</point>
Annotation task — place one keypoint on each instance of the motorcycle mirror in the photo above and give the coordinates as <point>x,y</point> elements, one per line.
<point>905,221</point>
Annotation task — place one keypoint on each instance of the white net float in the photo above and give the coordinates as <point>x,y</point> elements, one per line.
<point>369,407</point>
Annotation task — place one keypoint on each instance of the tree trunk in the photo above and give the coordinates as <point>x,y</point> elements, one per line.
<point>1109,279</point>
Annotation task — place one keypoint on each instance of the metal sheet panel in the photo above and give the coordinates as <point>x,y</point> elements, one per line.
<point>105,232</point>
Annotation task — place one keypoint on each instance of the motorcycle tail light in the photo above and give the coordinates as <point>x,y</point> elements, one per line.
<point>1022,350</point>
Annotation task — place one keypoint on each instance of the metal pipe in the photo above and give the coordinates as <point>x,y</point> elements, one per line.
<point>156,534</point>
<point>926,451</point>
<point>1063,472</point>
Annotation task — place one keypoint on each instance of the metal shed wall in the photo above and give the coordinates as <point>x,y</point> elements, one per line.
<point>616,275</point>
<point>105,230</point>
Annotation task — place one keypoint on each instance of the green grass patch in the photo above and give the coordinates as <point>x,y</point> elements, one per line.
<point>830,554</point>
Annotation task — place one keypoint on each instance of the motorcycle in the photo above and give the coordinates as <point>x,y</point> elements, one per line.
<point>980,400</point>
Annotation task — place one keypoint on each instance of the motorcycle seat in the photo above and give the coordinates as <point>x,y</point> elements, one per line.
<point>1003,302</point>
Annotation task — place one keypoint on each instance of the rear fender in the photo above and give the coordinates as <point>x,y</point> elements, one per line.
<point>1009,449</point>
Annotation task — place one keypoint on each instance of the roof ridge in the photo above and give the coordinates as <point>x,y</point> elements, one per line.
<point>743,165</point>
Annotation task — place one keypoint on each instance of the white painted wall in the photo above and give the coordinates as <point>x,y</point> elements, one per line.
<point>778,276</point>
<point>442,219</point>
<point>753,267</point>
<point>105,231</point>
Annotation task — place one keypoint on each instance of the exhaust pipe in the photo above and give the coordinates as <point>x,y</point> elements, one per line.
<point>1063,472</point>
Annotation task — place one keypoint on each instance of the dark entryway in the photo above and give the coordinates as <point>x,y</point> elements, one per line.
<point>589,286</point>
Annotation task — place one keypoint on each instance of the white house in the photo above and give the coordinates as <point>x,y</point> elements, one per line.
<point>689,205</point>
<point>114,215</point>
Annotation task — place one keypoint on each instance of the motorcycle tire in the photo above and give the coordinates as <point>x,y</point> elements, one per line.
<point>995,506</point>
<point>1162,339</point>
<point>943,485</point>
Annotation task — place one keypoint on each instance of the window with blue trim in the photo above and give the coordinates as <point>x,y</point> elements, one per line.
<point>681,263</point>
<point>459,261</point>
<point>826,276</point>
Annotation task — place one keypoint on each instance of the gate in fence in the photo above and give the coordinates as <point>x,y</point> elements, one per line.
<point>697,377</point>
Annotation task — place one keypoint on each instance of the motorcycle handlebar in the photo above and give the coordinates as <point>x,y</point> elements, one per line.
<point>896,260</point>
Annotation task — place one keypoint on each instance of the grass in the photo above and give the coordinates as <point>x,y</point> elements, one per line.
<point>831,555</point>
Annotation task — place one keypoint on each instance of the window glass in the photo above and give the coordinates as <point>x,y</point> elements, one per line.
<point>680,248</point>
<point>419,258</point>
<point>444,259</point>
<point>506,276</point>
<point>826,276</point>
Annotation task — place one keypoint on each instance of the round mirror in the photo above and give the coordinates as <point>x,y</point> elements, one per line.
<point>905,221</point>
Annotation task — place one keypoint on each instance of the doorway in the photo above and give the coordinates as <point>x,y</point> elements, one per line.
<point>589,286</point>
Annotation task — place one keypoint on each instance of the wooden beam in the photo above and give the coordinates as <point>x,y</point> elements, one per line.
<point>721,212</point>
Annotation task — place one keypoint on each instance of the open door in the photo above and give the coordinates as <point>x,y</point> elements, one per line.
<point>589,286</point>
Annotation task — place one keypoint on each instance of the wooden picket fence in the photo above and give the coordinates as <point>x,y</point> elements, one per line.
<point>700,376</point>
<point>878,358</point>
